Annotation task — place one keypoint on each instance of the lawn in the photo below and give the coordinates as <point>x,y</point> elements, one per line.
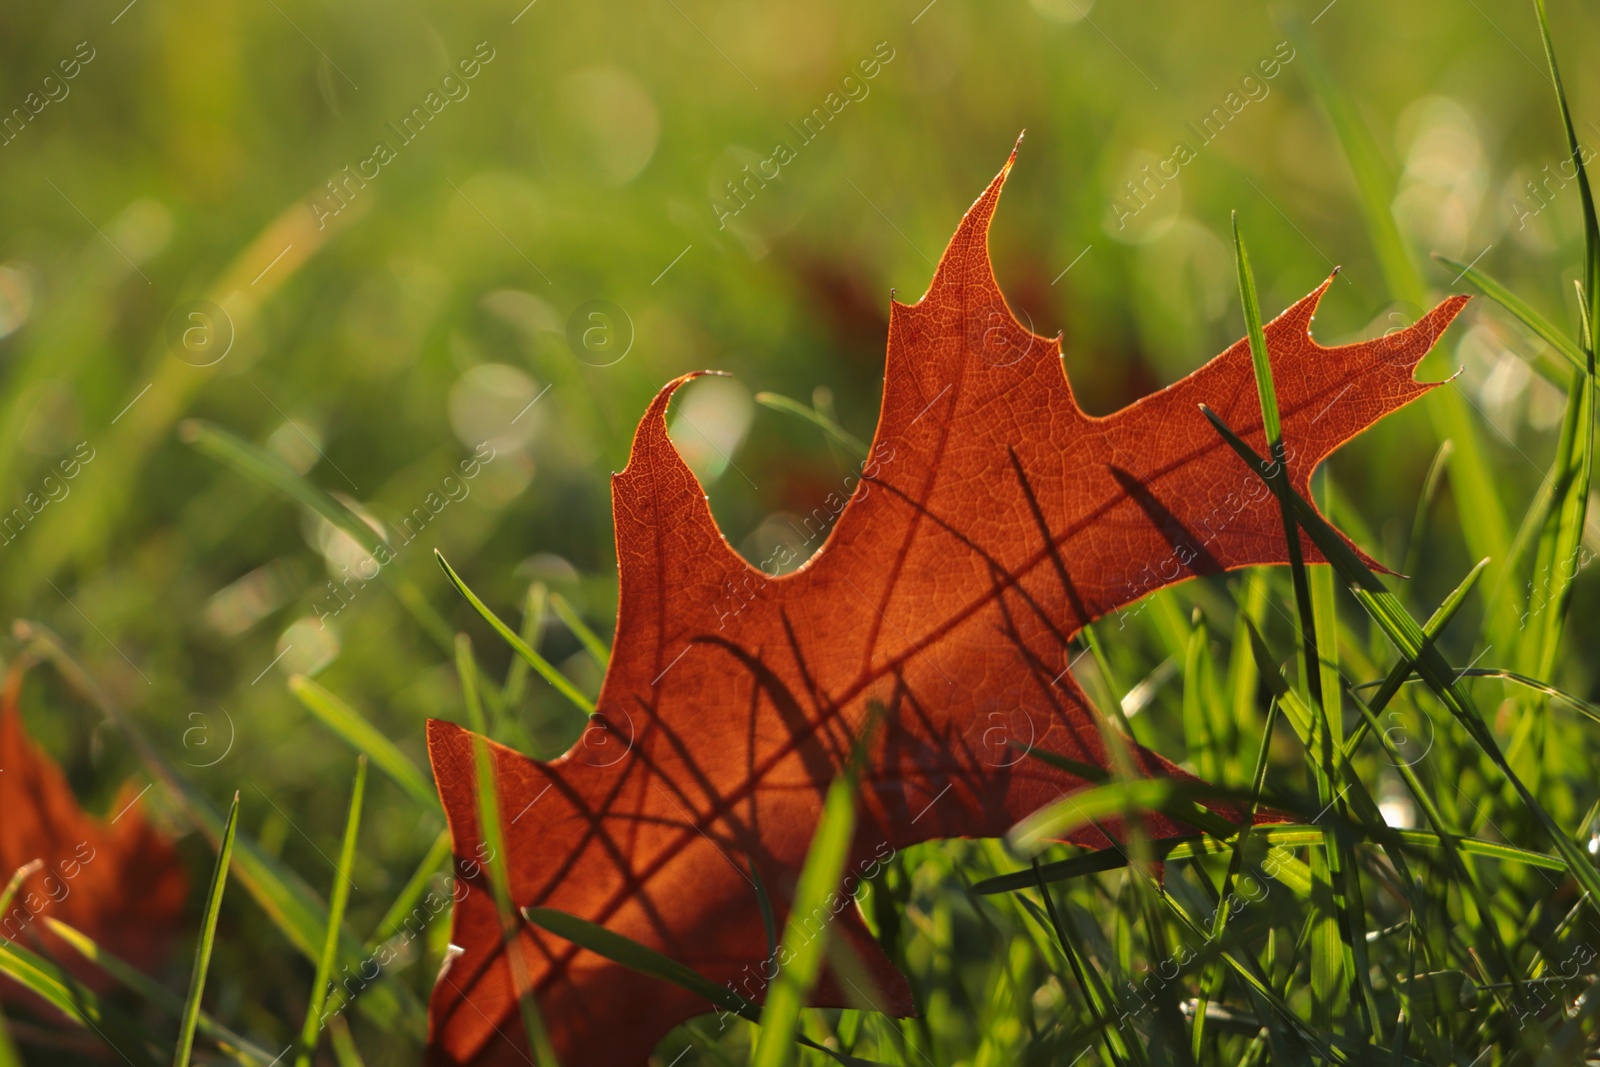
<point>299,301</point>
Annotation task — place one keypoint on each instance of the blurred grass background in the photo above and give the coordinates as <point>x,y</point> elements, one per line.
<point>375,348</point>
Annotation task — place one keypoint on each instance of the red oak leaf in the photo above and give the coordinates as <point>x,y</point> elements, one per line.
<point>118,881</point>
<point>992,520</point>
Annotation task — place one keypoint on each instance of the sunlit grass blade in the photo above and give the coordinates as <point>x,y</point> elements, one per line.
<point>1589,710</point>
<point>1560,552</point>
<point>545,668</point>
<point>1199,736</point>
<point>365,738</point>
<point>647,961</point>
<point>1591,225</point>
<point>80,1005</point>
<point>580,629</point>
<point>1245,967</point>
<point>803,950</point>
<point>496,864</point>
<point>1212,976</point>
<point>1282,836</point>
<point>1358,798</point>
<point>1524,313</point>
<point>46,981</point>
<point>208,936</point>
<point>1242,677</point>
<point>847,440</point>
<point>1179,802</point>
<point>1336,947</point>
<point>337,900</point>
<point>1260,359</point>
<point>1122,799</point>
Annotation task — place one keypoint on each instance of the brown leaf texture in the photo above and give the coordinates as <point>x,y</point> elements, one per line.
<point>992,520</point>
<point>117,880</point>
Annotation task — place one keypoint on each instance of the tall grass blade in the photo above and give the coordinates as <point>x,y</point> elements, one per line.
<point>545,668</point>
<point>1338,937</point>
<point>1524,313</point>
<point>497,863</point>
<point>20,875</point>
<point>533,613</point>
<point>208,936</point>
<point>1591,226</point>
<point>1419,522</point>
<point>803,950</point>
<point>365,738</point>
<point>265,467</point>
<point>337,899</point>
<point>580,629</point>
<point>239,1048</point>
<point>844,438</point>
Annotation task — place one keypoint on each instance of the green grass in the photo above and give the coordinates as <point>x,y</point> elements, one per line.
<point>1434,737</point>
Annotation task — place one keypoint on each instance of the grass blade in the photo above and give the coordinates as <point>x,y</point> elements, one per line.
<point>636,957</point>
<point>596,647</point>
<point>8,1051</point>
<point>1521,309</point>
<point>340,896</point>
<point>1338,941</point>
<point>533,608</point>
<point>1591,226</point>
<point>345,1052</point>
<point>849,441</point>
<point>1419,522</point>
<point>801,955</point>
<point>496,864</point>
<point>362,736</point>
<point>1211,980</point>
<point>240,1048</point>
<point>1560,550</point>
<point>208,936</point>
<point>545,668</point>
<point>250,459</point>
<point>22,874</point>
<point>1402,669</point>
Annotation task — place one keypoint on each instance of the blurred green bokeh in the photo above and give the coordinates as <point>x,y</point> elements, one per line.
<point>558,229</point>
